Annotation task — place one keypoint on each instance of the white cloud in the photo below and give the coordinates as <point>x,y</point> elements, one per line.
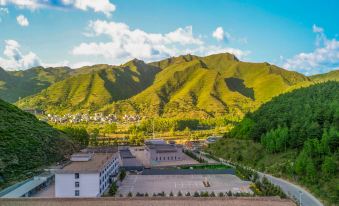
<point>14,59</point>
<point>324,58</point>
<point>220,35</point>
<point>317,29</point>
<point>30,4</point>
<point>22,20</point>
<point>126,43</point>
<point>4,10</point>
<point>104,6</point>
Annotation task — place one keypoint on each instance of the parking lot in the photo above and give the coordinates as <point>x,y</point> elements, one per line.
<point>185,183</point>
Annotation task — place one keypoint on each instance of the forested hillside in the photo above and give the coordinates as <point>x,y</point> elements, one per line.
<point>26,144</point>
<point>186,86</point>
<point>19,84</point>
<point>202,87</point>
<point>295,135</point>
<point>93,87</point>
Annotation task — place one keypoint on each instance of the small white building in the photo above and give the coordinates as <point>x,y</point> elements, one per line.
<point>157,150</point>
<point>88,175</point>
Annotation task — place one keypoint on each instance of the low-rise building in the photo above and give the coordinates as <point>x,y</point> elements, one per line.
<point>159,151</point>
<point>88,174</point>
<point>129,161</point>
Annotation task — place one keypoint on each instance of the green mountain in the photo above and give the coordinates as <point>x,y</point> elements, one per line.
<point>26,144</point>
<point>330,76</point>
<point>187,86</point>
<point>295,135</point>
<point>191,86</point>
<point>19,84</point>
<point>92,87</point>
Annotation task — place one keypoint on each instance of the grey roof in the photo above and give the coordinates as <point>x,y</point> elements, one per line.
<point>94,165</point>
<point>27,186</point>
<point>126,153</point>
<point>164,148</point>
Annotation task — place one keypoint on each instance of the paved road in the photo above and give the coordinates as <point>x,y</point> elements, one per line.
<point>292,190</point>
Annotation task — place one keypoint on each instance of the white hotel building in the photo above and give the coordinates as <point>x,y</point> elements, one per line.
<point>88,175</point>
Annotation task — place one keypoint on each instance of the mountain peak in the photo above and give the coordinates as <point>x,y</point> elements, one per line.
<point>134,62</point>
<point>225,56</point>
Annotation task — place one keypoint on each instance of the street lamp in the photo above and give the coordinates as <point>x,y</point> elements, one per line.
<point>300,193</point>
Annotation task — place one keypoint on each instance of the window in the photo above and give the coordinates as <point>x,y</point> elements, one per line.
<point>76,175</point>
<point>77,184</point>
<point>77,193</point>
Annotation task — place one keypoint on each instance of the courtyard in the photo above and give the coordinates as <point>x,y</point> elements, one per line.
<point>185,183</point>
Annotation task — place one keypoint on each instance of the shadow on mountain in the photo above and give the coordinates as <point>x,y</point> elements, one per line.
<point>237,85</point>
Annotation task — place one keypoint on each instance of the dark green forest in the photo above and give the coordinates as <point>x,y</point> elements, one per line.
<point>27,144</point>
<point>296,136</point>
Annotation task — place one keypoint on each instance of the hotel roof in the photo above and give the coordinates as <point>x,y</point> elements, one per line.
<point>95,164</point>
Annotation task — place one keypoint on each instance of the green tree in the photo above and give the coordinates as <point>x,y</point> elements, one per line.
<point>311,172</point>
<point>329,166</point>
<point>113,189</point>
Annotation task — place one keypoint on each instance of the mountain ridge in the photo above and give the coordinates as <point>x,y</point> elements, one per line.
<point>186,86</point>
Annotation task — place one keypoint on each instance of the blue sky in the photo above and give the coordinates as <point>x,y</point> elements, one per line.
<point>297,35</point>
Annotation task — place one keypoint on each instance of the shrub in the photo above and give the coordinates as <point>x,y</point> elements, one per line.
<point>221,194</point>
<point>203,194</point>
<point>179,194</point>
<point>130,194</point>
<point>188,194</point>
<point>196,194</point>
<point>212,194</point>
<point>113,189</point>
<point>122,175</point>
<point>171,194</point>
<point>146,194</point>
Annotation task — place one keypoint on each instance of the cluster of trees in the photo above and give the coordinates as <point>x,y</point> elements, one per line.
<point>194,156</point>
<point>303,125</point>
<point>177,124</point>
<point>188,194</point>
<point>78,135</point>
<point>262,186</point>
<point>27,144</point>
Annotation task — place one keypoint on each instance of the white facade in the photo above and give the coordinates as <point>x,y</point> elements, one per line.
<point>80,180</point>
<point>88,185</point>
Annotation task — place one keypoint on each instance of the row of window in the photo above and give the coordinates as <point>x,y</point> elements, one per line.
<point>168,158</point>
